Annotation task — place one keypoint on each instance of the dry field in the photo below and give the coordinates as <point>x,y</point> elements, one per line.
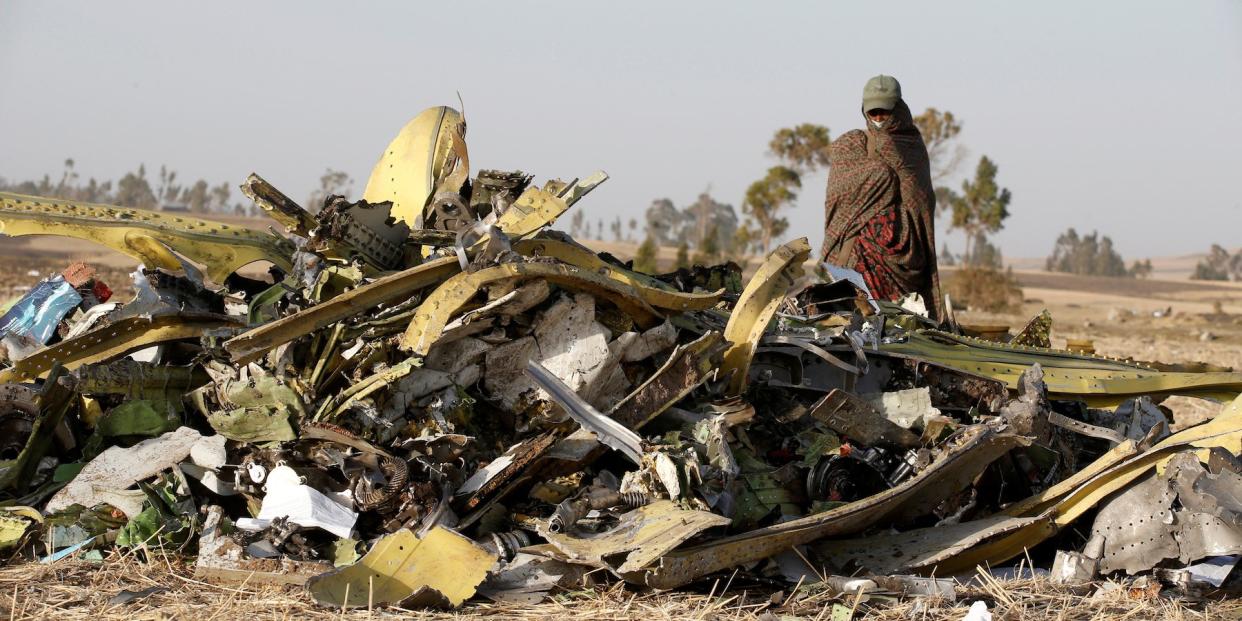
<point>1118,315</point>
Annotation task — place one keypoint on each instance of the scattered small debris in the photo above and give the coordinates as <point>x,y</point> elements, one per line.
<point>433,396</point>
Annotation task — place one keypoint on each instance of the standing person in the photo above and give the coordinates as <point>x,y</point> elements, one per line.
<point>880,206</point>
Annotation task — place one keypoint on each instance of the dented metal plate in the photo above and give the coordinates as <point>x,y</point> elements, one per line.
<point>756,306</point>
<point>407,170</point>
<point>148,236</point>
<point>642,536</point>
<point>451,296</point>
<point>1098,381</point>
<point>440,568</point>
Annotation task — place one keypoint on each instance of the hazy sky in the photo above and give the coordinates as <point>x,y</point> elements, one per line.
<point>1118,116</point>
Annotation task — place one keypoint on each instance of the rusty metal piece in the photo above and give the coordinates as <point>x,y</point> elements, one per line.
<point>359,230</point>
<point>756,306</point>
<point>505,545</point>
<point>396,474</point>
<point>687,368</point>
<point>858,420</point>
<point>148,236</point>
<point>530,451</point>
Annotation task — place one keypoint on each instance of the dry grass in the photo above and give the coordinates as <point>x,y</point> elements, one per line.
<point>73,590</point>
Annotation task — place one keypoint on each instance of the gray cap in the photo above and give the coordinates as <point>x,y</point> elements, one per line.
<point>881,92</point>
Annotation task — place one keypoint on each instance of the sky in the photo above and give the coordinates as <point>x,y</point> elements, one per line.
<point>1121,116</point>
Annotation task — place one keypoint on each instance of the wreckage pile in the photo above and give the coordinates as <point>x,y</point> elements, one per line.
<point>432,396</point>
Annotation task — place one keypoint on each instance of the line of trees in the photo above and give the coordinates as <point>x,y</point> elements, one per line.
<point>163,190</point>
<point>1092,255</point>
<point>133,189</point>
<point>1219,265</point>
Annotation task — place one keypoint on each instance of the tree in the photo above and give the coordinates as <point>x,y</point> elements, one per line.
<point>1141,269</point>
<point>331,183</point>
<point>982,206</point>
<point>766,198</point>
<point>168,191</point>
<point>803,148</point>
<point>713,223</point>
<point>68,181</point>
<point>133,190</point>
<point>1107,261</point>
<point>940,130</point>
<point>633,229</point>
<point>615,227</point>
<point>197,197</point>
<point>576,224</point>
<point>664,221</point>
<point>645,258</point>
<point>708,251</point>
<point>1088,255</point>
<point>220,196</point>
<point>743,239</point>
<point>683,254</point>
<point>985,254</point>
<point>1218,265</point>
<point>946,258</point>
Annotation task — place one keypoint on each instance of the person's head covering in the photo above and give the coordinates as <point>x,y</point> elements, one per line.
<point>882,92</point>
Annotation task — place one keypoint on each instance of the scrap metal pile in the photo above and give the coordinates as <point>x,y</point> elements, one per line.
<point>434,396</point>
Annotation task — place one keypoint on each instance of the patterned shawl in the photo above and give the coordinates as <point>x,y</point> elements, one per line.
<point>880,209</point>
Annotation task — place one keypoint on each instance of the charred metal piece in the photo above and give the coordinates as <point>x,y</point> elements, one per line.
<point>19,409</point>
<point>359,229</point>
<point>842,478</point>
<point>495,190</point>
<point>279,207</point>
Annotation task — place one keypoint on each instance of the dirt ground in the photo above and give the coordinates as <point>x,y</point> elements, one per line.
<point>1167,320</point>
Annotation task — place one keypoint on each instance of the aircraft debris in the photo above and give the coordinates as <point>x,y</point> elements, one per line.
<point>431,396</point>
